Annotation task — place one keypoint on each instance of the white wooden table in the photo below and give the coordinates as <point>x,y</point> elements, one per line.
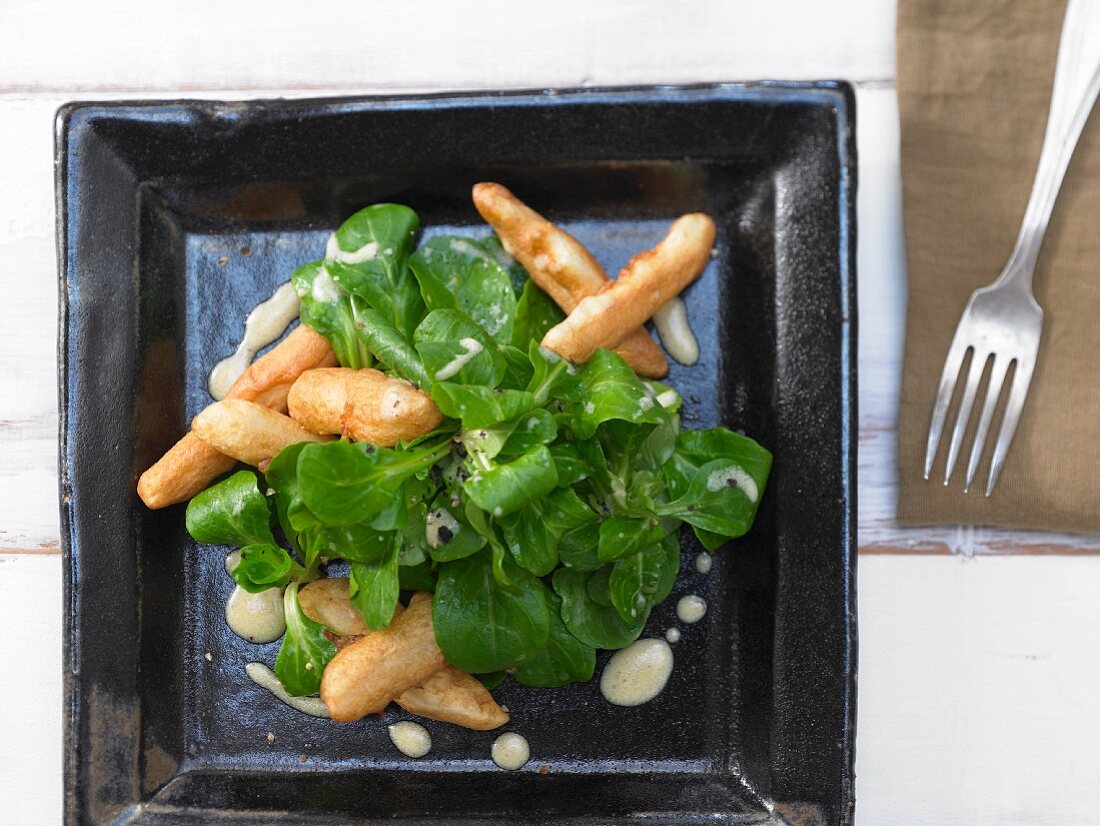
<point>979,656</point>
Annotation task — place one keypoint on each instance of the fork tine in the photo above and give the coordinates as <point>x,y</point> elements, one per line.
<point>948,378</point>
<point>992,394</point>
<point>973,379</point>
<point>1016,397</point>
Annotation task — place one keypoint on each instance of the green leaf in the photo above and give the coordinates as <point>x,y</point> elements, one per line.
<point>702,446</point>
<point>332,312</point>
<point>500,569</point>
<point>614,392</point>
<point>535,532</point>
<point>282,477</point>
<point>515,270</point>
<point>348,484</point>
<point>482,627</point>
<point>598,626</point>
<point>578,548</point>
<point>536,313</point>
<point>374,588</point>
<point>486,442</point>
<point>480,406</point>
<point>454,348</point>
<point>457,273</point>
<point>530,430</point>
<point>355,543</point>
<point>598,586</point>
<point>621,536</point>
<point>410,554</point>
<point>722,495</point>
<point>492,679</point>
<point>660,445</point>
<point>305,650</point>
<point>344,484</point>
<point>670,568</point>
<point>518,369</point>
<point>504,489</point>
<point>553,378</point>
<point>563,660</point>
<point>634,581</point>
<point>677,473</point>
<point>708,539</point>
<point>232,512</point>
<point>571,467</point>
<point>420,577</point>
<point>389,346</point>
<point>370,260</point>
<point>263,566</point>
<point>464,540</point>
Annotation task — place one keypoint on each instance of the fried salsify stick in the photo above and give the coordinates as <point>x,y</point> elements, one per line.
<point>364,405</point>
<point>646,283</point>
<point>190,465</point>
<point>559,264</point>
<point>249,432</point>
<point>403,663</point>
<point>448,695</point>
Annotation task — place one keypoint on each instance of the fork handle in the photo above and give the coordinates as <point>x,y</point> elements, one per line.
<point>1076,83</point>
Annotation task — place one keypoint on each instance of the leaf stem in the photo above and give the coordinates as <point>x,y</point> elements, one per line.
<point>542,392</point>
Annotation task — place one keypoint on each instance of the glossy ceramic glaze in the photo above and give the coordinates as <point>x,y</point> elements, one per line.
<point>177,218</point>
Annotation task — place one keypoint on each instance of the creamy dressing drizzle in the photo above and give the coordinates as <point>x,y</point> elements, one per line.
<point>264,324</point>
<point>691,609</point>
<point>437,521</point>
<point>511,751</point>
<point>668,398</point>
<point>264,677</point>
<point>411,739</point>
<point>324,289</point>
<point>733,476</point>
<point>703,562</point>
<point>464,247</point>
<point>367,252</point>
<point>471,347</point>
<point>258,617</point>
<point>637,673</point>
<point>672,325</point>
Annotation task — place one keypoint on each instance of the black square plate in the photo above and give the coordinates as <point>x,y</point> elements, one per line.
<point>176,218</point>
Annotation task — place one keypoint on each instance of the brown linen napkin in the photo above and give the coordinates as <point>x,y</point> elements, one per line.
<point>974,82</point>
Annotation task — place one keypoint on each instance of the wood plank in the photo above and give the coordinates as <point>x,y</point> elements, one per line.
<point>30,689</point>
<point>977,691</point>
<point>256,45</point>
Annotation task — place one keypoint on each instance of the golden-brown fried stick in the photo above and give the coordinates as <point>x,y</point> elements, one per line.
<point>448,695</point>
<point>326,601</point>
<point>249,432</point>
<point>646,283</point>
<point>267,380</point>
<point>364,405</point>
<point>363,678</point>
<point>560,265</point>
<point>453,696</point>
<point>190,465</point>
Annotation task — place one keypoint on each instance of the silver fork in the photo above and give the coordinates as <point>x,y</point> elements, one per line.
<point>1002,323</point>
